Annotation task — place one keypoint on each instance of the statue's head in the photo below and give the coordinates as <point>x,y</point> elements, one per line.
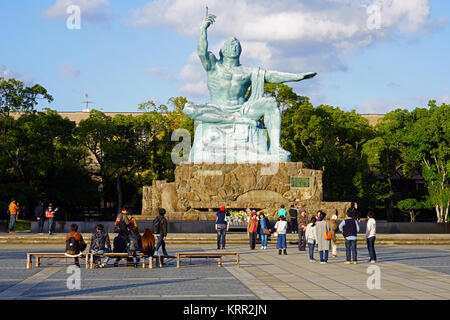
<point>231,48</point>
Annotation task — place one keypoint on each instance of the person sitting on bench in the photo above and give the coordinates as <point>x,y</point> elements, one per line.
<point>75,244</point>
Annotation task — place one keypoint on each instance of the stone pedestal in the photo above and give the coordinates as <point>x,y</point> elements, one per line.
<point>200,190</point>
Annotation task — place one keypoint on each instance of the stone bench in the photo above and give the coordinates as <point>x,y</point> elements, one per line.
<point>207,255</point>
<point>38,257</point>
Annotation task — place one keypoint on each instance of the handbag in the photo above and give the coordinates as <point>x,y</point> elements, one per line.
<point>266,232</point>
<point>326,235</point>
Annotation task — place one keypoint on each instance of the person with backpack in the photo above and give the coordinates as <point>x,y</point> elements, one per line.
<point>134,245</point>
<point>160,229</point>
<point>75,244</point>
<point>99,245</point>
<point>350,228</point>
<point>221,226</point>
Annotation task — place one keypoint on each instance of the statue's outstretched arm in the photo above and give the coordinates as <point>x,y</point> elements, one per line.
<point>277,77</point>
<point>207,58</point>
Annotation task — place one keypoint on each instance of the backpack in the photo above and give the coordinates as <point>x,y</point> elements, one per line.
<point>72,246</point>
<point>156,225</point>
<point>133,244</point>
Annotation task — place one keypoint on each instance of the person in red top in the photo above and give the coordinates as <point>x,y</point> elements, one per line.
<point>252,227</point>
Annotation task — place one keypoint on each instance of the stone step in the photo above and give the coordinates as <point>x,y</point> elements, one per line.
<point>236,238</point>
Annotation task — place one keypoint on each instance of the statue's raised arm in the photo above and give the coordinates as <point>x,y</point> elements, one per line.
<point>207,58</point>
<point>277,77</point>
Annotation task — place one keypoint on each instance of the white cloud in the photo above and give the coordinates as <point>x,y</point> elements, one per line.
<point>286,35</point>
<point>91,10</point>
<point>9,74</point>
<point>69,71</point>
<point>162,73</point>
<point>444,99</point>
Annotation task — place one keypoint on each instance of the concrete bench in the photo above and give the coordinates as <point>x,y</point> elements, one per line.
<point>207,255</point>
<point>38,257</point>
<point>159,259</point>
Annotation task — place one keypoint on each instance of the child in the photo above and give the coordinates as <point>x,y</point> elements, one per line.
<point>370,236</point>
<point>310,234</point>
<point>75,244</point>
<point>281,227</point>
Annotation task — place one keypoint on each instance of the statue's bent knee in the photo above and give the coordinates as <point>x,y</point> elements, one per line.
<point>189,110</point>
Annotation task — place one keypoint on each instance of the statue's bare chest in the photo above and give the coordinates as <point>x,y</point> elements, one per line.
<point>231,77</point>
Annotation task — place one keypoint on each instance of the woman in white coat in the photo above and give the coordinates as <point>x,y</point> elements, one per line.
<point>322,227</point>
<point>311,239</point>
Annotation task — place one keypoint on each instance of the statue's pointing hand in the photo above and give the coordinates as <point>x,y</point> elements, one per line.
<point>308,75</point>
<point>209,20</point>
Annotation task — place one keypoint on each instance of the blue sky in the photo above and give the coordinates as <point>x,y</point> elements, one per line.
<point>127,52</point>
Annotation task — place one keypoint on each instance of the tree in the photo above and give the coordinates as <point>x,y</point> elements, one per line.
<point>427,149</point>
<point>324,138</point>
<point>39,151</point>
<point>16,97</point>
<point>413,206</point>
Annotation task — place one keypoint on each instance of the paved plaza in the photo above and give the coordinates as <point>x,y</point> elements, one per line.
<point>406,272</point>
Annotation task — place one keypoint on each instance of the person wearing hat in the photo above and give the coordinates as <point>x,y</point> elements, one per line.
<point>302,224</point>
<point>252,228</point>
<point>334,227</point>
<point>99,245</point>
<point>222,227</point>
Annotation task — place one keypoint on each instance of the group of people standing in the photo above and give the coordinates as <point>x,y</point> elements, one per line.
<point>321,232</point>
<point>41,213</point>
<point>318,232</point>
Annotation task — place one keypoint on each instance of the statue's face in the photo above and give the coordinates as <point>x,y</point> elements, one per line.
<point>232,48</point>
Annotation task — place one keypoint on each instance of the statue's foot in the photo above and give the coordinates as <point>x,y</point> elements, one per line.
<point>278,150</point>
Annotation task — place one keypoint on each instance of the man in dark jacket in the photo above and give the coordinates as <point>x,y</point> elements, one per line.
<point>293,223</point>
<point>222,226</point>
<point>100,244</point>
<point>39,214</point>
<point>160,229</point>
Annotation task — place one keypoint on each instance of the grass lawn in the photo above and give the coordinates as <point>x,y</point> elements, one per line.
<point>22,225</point>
